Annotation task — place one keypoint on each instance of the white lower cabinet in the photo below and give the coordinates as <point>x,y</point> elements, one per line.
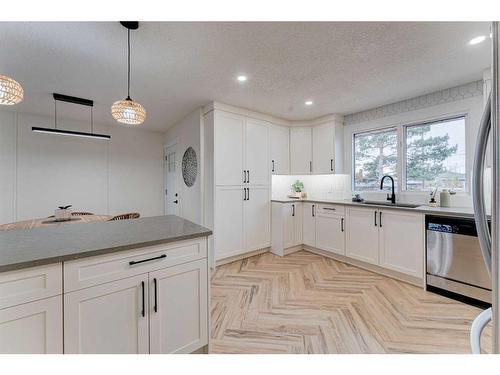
<point>32,328</point>
<point>109,318</point>
<point>401,242</point>
<point>362,234</point>
<point>256,218</point>
<point>309,224</point>
<point>330,233</point>
<point>228,229</point>
<point>179,320</point>
<point>286,226</point>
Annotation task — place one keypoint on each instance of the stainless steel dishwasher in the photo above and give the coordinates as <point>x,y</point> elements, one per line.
<point>454,260</point>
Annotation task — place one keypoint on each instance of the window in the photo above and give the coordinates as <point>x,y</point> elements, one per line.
<point>435,155</point>
<point>375,155</point>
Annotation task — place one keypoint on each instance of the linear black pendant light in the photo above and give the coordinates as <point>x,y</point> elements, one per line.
<point>74,100</point>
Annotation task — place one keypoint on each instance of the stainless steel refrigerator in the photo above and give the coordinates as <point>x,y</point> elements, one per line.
<point>489,239</point>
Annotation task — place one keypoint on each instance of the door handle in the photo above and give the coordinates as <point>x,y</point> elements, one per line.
<point>248,194</point>
<point>143,311</point>
<point>375,215</point>
<point>273,165</point>
<point>342,224</point>
<point>380,219</point>
<point>310,166</point>
<point>312,209</point>
<point>331,165</point>
<point>132,262</point>
<point>156,294</point>
<point>244,194</point>
<point>244,176</point>
<point>248,176</point>
<point>293,210</point>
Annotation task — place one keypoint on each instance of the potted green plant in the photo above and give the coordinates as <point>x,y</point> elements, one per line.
<point>298,189</point>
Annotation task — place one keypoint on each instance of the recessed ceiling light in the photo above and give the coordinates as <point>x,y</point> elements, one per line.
<point>242,78</point>
<point>308,102</point>
<point>477,39</point>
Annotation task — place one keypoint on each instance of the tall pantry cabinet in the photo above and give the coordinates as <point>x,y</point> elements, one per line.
<point>237,183</point>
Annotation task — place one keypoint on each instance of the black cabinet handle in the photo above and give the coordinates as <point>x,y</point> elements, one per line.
<point>273,165</point>
<point>248,176</point>
<point>310,166</point>
<point>143,312</point>
<point>156,294</point>
<point>248,194</point>
<point>293,210</point>
<point>329,208</point>
<point>342,224</point>
<point>132,262</point>
<point>331,165</point>
<point>380,219</point>
<point>244,176</point>
<point>244,194</point>
<point>375,215</point>
<point>312,209</point>
<point>176,201</point>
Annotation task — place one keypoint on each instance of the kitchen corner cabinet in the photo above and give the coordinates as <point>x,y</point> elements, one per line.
<point>323,146</point>
<point>280,149</point>
<point>286,226</point>
<point>301,154</point>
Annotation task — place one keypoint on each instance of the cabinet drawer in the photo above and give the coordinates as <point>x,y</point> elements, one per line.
<point>30,284</point>
<point>330,209</point>
<point>87,272</point>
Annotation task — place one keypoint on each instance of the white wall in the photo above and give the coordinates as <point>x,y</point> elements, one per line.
<point>39,172</point>
<point>188,133</point>
<point>466,99</point>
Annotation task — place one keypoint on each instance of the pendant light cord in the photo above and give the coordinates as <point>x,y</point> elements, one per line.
<point>128,81</point>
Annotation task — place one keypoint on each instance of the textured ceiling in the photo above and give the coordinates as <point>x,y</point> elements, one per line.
<point>176,67</point>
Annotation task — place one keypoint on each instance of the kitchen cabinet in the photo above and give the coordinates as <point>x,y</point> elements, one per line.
<point>256,218</point>
<point>309,224</point>
<point>179,320</point>
<point>330,229</point>
<point>401,242</point>
<point>257,152</point>
<point>111,318</point>
<point>362,234</point>
<point>286,226</point>
<point>323,146</point>
<point>32,328</point>
<point>280,149</point>
<point>229,145</point>
<point>228,226</point>
<point>301,157</point>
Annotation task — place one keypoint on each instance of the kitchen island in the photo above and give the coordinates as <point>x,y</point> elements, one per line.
<point>134,286</point>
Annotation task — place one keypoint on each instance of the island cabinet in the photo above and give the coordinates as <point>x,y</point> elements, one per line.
<point>151,300</point>
<point>31,311</point>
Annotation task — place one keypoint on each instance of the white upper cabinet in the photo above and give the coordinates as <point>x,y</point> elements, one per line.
<point>301,150</point>
<point>229,150</point>
<point>323,146</point>
<point>280,149</point>
<point>257,152</point>
<point>401,237</point>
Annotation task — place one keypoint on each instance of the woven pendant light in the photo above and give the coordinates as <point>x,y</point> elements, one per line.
<point>11,92</point>
<point>128,111</point>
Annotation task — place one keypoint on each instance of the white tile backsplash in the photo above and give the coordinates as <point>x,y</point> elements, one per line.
<point>337,186</point>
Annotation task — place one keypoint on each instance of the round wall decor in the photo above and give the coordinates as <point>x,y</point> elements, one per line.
<point>189,166</point>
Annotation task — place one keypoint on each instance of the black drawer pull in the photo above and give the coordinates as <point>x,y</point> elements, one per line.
<point>156,294</point>
<point>143,312</point>
<point>329,208</point>
<point>132,262</point>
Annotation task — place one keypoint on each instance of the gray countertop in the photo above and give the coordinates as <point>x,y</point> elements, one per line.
<point>440,211</point>
<point>38,246</point>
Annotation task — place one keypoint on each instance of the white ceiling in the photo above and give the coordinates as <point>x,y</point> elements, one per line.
<point>343,67</point>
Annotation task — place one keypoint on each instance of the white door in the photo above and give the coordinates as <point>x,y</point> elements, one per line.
<point>229,135</point>
<point>228,227</point>
<point>362,234</point>
<point>257,152</point>
<point>297,223</point>
<point>257,218</point>
<point>330,233</point>
<point>401,237</point>
<point>309,224</point>
<point>323,149</point>
<point>300,150</point>
<point>280,149</point>
<point>288,225</point>
<point>171,186</point>
<point>32,328</point>
<point>179,308</point>
<point>111,318</point>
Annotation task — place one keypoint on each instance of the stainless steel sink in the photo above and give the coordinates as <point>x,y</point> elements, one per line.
<point>389,204</point>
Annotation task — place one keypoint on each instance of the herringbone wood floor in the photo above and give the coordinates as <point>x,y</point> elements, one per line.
<point>306,303</point>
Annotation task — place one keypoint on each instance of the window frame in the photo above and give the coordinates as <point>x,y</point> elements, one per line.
<point>353,157</point>
<point>404,151</point>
